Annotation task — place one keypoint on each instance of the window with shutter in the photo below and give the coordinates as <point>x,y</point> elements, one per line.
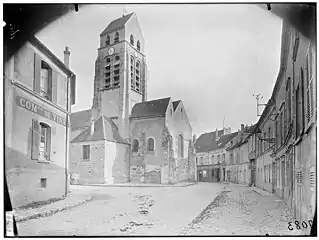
<point>35,139</point>
<point>46,81</point>
<point>45,142</point>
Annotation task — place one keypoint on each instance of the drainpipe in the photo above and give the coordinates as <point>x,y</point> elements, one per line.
<point>67,138</point>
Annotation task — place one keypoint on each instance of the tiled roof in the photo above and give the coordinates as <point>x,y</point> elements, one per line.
<point>244,138</point>
<point>104,129</point>
<point>117,23</point>
<point>206,140</point>
<point>175,104</point>
<point>156,107</point>
<point>80,119</point>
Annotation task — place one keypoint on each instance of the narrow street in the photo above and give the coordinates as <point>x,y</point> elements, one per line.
<point>201,209</point>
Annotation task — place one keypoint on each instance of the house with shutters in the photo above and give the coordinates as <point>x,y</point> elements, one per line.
<point>158,132</point>
<point>39,91</point>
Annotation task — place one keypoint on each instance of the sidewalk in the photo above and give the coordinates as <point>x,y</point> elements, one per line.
<point>182,184</point>
<point>261,192</point>
<point>69,202</point>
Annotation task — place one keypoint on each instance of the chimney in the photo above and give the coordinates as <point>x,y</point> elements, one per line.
<point>242,127</point>
<point>216,133</point>
<point>91,125</point>
<point>67,57</point>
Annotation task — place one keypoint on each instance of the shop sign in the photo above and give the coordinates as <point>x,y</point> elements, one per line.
<point>35,108</point>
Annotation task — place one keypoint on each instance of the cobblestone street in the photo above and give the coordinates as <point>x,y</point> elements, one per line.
<point>201,209</point>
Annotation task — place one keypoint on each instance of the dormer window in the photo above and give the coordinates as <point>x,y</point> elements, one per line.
<point>132,40</point>
<point>138,45</point>
<point>107,41</point>
<point>117,37</point>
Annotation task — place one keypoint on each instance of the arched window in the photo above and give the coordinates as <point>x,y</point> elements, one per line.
<point>117,37</point>
<point>117,57</point>
<point>108,60</point>
<point>45,142</point>
<point>132,40</point>
<point>137,76</point>
<point>116,71</point>
<point>138,45</point>
<point>132,72</point>
<point>150,145</point>
<point>135,145</point>
<point>107,41</point>
<point>180,145</point>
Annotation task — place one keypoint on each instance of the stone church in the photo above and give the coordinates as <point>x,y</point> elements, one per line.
<point>125,137</point>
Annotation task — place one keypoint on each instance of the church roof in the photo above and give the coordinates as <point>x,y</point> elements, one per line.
<point>156,107</point>
<point>117,23</point>
<point>175,104</point>
<point>79,119</point>
<point>104,129</point>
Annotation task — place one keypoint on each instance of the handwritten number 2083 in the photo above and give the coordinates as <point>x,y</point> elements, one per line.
<point>303,224</point>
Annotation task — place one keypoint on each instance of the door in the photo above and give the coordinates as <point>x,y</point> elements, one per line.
<point>218,175</point>
<point>253,173</point>
<point>283,178</point>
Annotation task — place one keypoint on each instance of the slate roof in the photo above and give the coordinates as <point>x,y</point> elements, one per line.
<point>117,23</point>
<point>80,119</point>
<point>156,107</point>
<point>244,139</point>
<point>206,140</point>
<point>104,129</point>
<point>175,104</point>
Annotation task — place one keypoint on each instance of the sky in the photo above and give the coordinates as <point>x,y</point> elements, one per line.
<point>213,57</point>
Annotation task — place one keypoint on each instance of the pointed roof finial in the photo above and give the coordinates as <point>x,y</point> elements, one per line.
<point>124,11</point>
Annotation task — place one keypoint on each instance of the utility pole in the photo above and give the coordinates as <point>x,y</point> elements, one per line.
<point>258,97</point>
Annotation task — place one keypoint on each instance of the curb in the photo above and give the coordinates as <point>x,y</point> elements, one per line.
<point>261,193</point>
<point>112,185</point>
<point>50,212</point>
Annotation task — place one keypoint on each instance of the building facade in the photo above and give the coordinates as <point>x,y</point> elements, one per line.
<point>158,132</point>
<point>39,92</point>
<point>283,145</point>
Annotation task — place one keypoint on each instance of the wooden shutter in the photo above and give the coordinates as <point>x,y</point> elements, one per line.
<point>54,87</point>
<point>35,139</point>
<point>37,73</point>
<point>48,143</point>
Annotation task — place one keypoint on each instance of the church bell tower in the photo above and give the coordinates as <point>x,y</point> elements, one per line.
<point>120,71</point>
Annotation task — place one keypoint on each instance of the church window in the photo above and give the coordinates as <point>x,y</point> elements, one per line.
<point>116,81</point>
<point>181,145</point>
<point>117,58</point>
<point>117,37</point>
<point>138,45</point>
<point>150,145</point>
<point>135,145</point>
<point>132,73</point>
<point>132,40</point>
<point>108,60</point>
<point>107,41</point>
<point>137,76</point>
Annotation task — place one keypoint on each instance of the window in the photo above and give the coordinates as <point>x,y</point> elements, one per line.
<point>117,58</point>
<point>107,41</point>
<point>117,37</point>
<point>150,145</point>
<point>46,81</point>
<point>135,145</point>
<point>201,161</point>
<point>45,141</point>
<point>132,40</point>
<point>281,128</point>
<point>212,159</point>
<point>288,100</point>
<point>138,45</point>
<point>132,72</point>
<point>264,141</point>
<point>137,76</point>
<point>108,60</point>
<point>224,157</point>
<point>204,173</point>
<point>86,152</point>
<point>181,145</point>
<point>218,158</point>
<point>231,158</point>
<point>309,82</point>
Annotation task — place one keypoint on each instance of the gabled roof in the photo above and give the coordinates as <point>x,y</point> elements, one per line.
<point>117,23</point>
<point>175,104</point>
<point>244,138</point>
<point>206,140</point>
<point>156,107</point>
<point>80,119</point>
<point>104,129</point>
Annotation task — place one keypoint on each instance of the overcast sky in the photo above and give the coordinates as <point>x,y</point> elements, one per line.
<point>212,57</point>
